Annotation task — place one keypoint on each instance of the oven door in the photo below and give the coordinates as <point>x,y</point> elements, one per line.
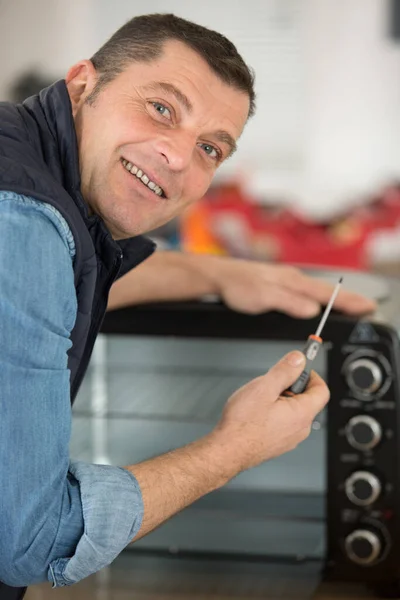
<point>147,393</point>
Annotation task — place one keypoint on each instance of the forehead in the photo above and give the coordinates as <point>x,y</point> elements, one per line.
<point>189,73</point>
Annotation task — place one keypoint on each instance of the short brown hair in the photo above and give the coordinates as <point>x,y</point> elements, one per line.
<point>142,39</point>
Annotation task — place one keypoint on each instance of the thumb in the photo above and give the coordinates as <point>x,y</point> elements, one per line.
<point>285,372</point>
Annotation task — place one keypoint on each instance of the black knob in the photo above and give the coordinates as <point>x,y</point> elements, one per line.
<point>363,546</point>
<point>363,488</point>
<point>363,432</point>
<point>364,375</point>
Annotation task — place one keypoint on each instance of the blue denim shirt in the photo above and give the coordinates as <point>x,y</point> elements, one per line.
<point>59,520</point>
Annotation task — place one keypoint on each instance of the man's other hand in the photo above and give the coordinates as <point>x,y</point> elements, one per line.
<point>254,287</point>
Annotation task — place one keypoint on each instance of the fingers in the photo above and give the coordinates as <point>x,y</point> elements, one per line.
<point>300,295</point>
<point>285,288</point>
<point>321,291</point>
<point>354,304</point>
<point>314,398</point>
<point>284,300</point>
<point>285,372</point>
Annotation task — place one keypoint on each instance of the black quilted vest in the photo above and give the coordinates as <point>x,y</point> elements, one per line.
<point>39,158</point>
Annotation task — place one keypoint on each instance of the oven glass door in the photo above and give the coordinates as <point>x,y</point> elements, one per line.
<point>143,396</point>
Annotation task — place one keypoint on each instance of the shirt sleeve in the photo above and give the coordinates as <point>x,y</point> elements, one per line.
<point>59,520</point>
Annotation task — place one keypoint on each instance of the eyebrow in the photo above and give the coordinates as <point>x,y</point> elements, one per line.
<point>220,135</point>
<point>172,89</point>
<point>226,138</point>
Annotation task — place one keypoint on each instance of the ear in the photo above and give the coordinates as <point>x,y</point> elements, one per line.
<point>80,79</point>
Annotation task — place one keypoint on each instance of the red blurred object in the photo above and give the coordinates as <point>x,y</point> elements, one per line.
<point>234,224</point>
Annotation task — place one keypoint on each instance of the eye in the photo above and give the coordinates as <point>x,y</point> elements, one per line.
<point>211,151</point>
<point>162,110</point>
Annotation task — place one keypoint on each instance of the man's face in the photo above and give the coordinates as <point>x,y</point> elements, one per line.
<point>171,121</point>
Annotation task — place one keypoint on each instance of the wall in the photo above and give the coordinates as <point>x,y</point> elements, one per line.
<point>353,119</point>
<point>47,35</point>
<point>327,129</point>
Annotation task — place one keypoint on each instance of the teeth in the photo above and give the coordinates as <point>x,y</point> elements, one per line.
<point>143,177</point>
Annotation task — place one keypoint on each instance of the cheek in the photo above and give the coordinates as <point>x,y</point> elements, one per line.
<point>134,125</point>
<point>199,183</point>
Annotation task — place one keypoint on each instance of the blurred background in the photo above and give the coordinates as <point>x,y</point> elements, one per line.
<point>316,179</point>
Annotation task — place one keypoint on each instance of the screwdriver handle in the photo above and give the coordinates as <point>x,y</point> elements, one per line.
<point>310,351</point>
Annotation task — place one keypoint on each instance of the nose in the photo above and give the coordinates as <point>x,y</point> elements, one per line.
<point>176,150</point>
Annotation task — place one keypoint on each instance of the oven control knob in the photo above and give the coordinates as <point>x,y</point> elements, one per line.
<point>362,488</point>
<point>364,375</point>
<point>363,546</point>
<point>363,432</point>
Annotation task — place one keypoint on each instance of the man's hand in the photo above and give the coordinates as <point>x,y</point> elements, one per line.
<point>254,287</point>
<point>246,286</point>
<point>258,423</point>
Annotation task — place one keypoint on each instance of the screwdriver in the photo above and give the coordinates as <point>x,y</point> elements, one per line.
<point>312,347</point>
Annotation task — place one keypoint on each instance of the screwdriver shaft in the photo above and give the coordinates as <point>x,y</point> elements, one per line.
<point>328,308</point>
<point>311,349</point>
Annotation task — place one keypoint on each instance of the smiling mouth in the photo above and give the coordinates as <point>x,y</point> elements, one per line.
<point>141,175</point>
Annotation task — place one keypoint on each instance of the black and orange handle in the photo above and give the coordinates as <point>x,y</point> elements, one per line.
<point>310,351</point>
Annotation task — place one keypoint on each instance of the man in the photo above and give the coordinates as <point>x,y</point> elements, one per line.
<point>121,146</point>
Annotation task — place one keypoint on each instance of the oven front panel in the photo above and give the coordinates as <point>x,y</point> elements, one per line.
<point>144,396</point>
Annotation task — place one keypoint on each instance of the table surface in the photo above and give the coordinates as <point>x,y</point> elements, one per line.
<point>87,592</point>
<point>155,577</point>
